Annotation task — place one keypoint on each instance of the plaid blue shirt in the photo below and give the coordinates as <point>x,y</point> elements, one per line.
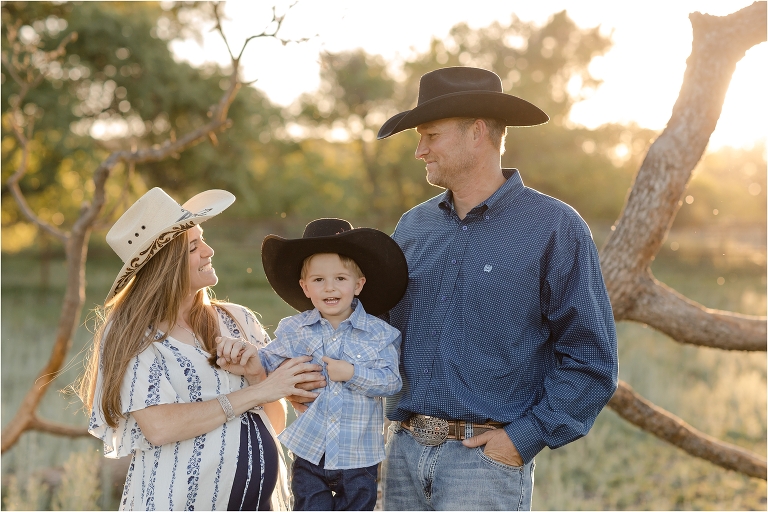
<point>373,347</point>
<point>506,317</point>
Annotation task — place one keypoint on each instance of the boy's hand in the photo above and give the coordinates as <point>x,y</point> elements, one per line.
<point>338,370</point>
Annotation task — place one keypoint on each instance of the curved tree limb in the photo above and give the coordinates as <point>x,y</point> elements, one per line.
<point>23,139</point>
<point>673,314</point>
<point>668,427</point>
<point>718,44</point>
<point>58,429</point>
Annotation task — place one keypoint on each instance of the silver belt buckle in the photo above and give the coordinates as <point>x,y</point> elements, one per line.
<point>429,431</point>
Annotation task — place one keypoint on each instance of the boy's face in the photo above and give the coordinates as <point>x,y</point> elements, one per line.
<point>331,287</point>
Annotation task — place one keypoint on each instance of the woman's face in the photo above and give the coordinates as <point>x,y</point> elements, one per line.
<point>201,272</point>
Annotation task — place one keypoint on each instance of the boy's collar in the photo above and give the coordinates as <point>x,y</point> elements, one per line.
<point>358,318</point>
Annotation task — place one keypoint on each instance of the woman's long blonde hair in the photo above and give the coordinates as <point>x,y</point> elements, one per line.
<point>127,324</point>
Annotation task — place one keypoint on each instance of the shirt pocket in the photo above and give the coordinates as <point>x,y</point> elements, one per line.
<point>310,346</point>
<point>358,353</point>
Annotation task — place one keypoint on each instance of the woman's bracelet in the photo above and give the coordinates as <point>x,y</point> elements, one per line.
<point>227,406</point>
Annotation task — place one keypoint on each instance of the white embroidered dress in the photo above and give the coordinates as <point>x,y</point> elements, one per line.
<point>194,474</point>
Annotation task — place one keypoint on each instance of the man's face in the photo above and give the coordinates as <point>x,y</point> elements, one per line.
<point>445,147</point>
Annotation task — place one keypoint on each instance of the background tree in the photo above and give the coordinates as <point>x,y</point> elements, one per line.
<point>718,44</point>
<point>29,65</point>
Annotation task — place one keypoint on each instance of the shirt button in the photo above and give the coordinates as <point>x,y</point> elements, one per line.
<point>453,261</point>
<point>434,332</point>
<point>426,371</point>
<point>335,392</point>
<point>358,356</point>
<point>443,298</point>
<point>464,228</point>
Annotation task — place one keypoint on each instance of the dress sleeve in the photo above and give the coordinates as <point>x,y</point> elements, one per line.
<point>146,383</point>
<point>245,319</point>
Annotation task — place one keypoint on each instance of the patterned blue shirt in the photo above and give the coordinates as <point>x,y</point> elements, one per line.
<point>346,422</point>
<point>506,317</point>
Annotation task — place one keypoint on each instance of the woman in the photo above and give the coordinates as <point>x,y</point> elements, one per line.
<point>175,380</point>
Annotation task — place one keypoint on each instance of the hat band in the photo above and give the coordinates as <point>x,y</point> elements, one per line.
<point>159,242</point>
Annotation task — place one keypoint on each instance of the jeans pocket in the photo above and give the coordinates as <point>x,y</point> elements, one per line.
<point>372,471</point>
<point>496,463</point>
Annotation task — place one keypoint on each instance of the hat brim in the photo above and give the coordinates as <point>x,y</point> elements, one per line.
<point>512,110</point>
<point>202,207</point>
<point>378,256</point>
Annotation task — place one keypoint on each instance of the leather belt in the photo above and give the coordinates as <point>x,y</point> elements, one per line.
<point>431,431</point>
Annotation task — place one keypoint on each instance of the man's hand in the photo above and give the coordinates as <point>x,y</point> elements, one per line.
<point>498,446</point>
<point>339,370</point>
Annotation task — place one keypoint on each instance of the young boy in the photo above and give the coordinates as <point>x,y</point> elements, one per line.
<point>329,274</point>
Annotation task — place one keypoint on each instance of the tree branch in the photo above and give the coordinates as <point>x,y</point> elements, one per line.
<point>642,413</point>
<point>667,311</point>
<point>58,429</point>
<point>718,44</point>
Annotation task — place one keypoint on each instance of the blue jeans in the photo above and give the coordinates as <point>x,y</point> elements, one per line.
<point>450,477</point>
<point>316,488</point>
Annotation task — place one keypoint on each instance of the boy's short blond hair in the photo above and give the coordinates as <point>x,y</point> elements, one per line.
<point>348,263</point>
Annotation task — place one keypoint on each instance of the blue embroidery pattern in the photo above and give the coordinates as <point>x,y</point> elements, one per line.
<point>128,480</point>
<point>153,387</point>
<point>152,477</point>
<point>193,380</point>
<point>173,474</point>
<point>193,472</point>
<point>229,322</point>
<point>218,469</point>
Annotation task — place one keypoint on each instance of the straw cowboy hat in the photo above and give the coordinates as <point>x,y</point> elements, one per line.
<point>463,92</point>
<point>154,220</point>
<point>378,256</point>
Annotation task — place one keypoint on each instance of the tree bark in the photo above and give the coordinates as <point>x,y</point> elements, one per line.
<point>718,44</point>
<point>639,411</point>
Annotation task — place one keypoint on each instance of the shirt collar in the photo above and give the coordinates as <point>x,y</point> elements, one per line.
<point>358,318</point>
<point>503,195</point>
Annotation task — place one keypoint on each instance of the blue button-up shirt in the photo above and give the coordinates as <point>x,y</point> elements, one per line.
<point>373,347</point>
<point>506,317</point>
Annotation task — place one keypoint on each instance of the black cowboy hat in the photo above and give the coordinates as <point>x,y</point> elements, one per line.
<point>378,256</point>
<point>463,92</point>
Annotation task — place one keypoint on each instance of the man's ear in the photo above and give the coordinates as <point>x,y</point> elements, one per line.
<point>359,285</point>
<point>479,130</point>
<point>304,287</point>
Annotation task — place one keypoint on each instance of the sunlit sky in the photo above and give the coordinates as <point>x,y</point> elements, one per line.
<point>642,73</point>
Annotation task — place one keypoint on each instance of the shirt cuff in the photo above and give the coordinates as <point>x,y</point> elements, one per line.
<point>526,437</point>
<point>360,379</point>
<point>265,362</point>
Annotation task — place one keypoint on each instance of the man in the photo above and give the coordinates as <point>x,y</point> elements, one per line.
<point>508,342</point>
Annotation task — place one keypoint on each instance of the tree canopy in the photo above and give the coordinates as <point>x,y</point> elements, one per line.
<point>120,87</point>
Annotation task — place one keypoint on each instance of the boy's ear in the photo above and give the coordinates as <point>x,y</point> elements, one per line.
<point>359,286</point>
<point>304,287</point>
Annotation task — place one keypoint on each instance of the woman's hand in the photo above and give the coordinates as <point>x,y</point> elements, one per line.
<point>239,357</point>
<point>317,381</point>
<point>287,378</point>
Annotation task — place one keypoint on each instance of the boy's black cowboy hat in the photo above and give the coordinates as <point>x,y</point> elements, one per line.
<point>463,92</point>
<point>378,256</point>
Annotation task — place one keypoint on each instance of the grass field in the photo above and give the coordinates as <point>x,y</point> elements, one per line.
<point>615,467</point>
